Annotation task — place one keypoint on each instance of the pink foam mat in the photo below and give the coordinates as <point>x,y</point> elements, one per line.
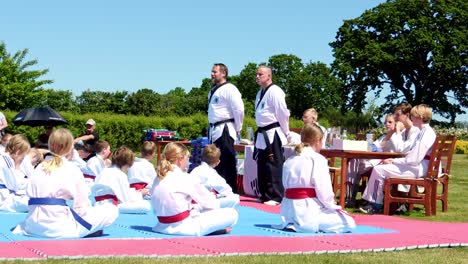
<point>409,234</point>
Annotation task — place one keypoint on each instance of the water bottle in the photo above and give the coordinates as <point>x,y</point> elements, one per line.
<point>250,134</point>
<point>370,141</point>
<point>344,135</point>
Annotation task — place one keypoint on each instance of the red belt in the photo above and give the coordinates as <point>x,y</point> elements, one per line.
<point>88,176</point>
<point>299,193</point>
<point>138,185</point>
<point>174,218</point>
<point>114,198</point>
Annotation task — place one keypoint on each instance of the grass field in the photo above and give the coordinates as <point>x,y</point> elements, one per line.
<point>458,212</point>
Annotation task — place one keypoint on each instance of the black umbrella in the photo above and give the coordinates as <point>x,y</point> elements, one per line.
<point>39,116</point>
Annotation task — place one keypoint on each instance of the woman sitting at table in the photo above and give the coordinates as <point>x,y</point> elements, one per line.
<point>309,202</point>
<point>357,167</point>
<point>182,205</point>
<point>413,165</point>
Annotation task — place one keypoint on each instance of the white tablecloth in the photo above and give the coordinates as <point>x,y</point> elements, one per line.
<point>250,182</point>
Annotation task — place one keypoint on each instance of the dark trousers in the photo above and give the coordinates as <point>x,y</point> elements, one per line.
<point>270,171</point>
<point>227,167</point>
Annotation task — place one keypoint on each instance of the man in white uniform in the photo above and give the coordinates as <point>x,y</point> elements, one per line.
<point>272,119</point>
<point>3,124</point>
<point>225,115</point>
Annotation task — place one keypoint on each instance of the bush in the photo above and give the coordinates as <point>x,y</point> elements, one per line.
<point>461,147</point>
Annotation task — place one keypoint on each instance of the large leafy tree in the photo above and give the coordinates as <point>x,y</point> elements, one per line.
<point>19,86</point>
<point>416,49</point>
<point>97,101</point>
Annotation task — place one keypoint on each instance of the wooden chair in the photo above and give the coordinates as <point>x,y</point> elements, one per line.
<point>440,150</point>
<point>446,163</point>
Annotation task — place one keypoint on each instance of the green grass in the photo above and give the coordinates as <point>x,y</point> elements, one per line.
<point>457,212</point>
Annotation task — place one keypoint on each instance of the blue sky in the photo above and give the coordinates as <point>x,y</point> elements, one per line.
<point>129,45</point>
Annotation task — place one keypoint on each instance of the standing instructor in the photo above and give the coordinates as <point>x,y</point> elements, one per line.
<point>272,119</point>
<point>225,115</point>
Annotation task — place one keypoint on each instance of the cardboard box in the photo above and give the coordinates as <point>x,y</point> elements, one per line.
<point>349,144</point>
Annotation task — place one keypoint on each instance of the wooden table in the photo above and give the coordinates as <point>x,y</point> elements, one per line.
<point>345,155</point>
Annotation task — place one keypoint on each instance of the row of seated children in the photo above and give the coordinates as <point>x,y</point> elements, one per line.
<point>17,161</point>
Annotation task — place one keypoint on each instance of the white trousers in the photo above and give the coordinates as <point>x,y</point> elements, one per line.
<point>374,191</point>
<point>200,224</point>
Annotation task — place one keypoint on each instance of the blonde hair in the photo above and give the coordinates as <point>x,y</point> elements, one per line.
<point>310,135</point>
<point>211,154</point>
<point>36,156</point>
<point>18,143</point>
<point>123,156</point>
<point>313,113</point>
<point>422,111</point>
<point>60,144</point>
<point>171,153</point>
<point>148,148</point>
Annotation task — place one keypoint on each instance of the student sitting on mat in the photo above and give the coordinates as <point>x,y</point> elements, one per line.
<point>309,202</point>
<point>112,185</point>
<point>172,199</point>
<point>142,173</point>
<point>12,182</point>
<point>55,181</point>
<point>210,178</point>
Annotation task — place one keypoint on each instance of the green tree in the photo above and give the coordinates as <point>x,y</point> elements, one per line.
<point>418,49</point>
<point>19,86</point>
<point>143,102</point>
<point>246,82</point>
<point>59,100</point>
<point>97,101</point>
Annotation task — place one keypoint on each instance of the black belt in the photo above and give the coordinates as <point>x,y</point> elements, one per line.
<point>270,126</point>
<point>221,122</point>
<point>263,130</point>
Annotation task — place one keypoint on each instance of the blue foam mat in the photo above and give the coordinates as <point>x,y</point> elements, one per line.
<point>252,222</point>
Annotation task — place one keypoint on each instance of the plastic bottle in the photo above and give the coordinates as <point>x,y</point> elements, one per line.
<point>370,141</point>
<point>344,135</point>
<point>250,134</point>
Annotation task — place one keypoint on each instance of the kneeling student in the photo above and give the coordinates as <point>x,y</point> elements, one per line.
<point>56,181</point>
<point>210,178</point>
<point>112,185</point>
<point>172,199</point>
<point>309,202</point>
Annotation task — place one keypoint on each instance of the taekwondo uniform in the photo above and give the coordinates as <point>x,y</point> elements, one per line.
<point>272,119</point>
<point>50,216</point>
<point>172,204</point>
<point>226,115</point>
<point>141,174</point>
<point>309,202</point>
<point>13,184</point>
<point>214,183</point>
<point>112,186</point>
<point>413,165</point>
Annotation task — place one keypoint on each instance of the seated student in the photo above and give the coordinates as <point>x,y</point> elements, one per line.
<point>309,116</point>
<point>55,181</point>
<point>405,132</point>
<point>356,167</point>
<point>413,165</point>
<point>13,184</point>
<point>210,178</point>
<point>96,164</point>
<point>309,202</point>
<point>142,173</point>
<point>172,199</point>
<point>30,161</point>
<point>4,143</point>
<point>112,185</point>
